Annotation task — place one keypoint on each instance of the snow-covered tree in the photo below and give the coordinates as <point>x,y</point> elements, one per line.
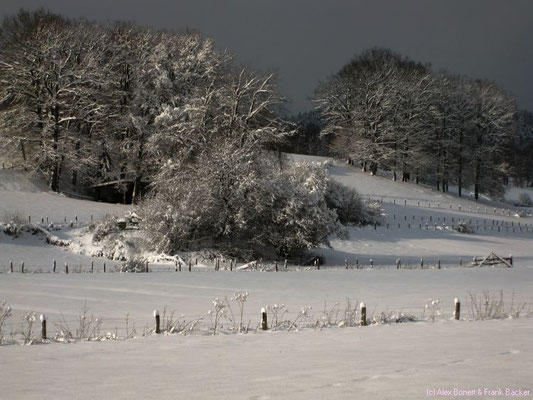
<point>493,128</point>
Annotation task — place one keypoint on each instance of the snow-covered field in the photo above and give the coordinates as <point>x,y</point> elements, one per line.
<point>379,361</point>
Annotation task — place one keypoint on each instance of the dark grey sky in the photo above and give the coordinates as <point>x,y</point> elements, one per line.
<point>306,40</point>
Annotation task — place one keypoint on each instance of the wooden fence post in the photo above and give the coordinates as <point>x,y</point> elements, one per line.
<point>264,322</point>
<point>66,268</point>
<point>43,326</point>
<point>190,265</point>
<point>157,321</point>
<point>275,265</point>
<point>438,264</point>
<point>363,314</point>
<point>457,312</point>
<point>511,259</point>
<point>421,263</point>
<point>460,262</point>
<point>11,266</point>
<point>22,267</point>
<point>146,269</point>
<point>357,263</point>
<point>92,267</point>
<point>371,263</point>
<point>104,267</point>
<point>54,266</point>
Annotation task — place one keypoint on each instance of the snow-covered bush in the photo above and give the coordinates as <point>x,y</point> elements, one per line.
<point>12,224</point>
<point>350,207</point>
<point>432,310</point>
<point>133,264</point>
<point>248,208</point>
<point>392,317</point>
<point>524,200</point>
<point>5,313</point>
<point>103,227</point>
<point>463,226</point>
<point>86,327</point>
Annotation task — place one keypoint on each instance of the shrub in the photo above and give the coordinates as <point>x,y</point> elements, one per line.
<point>252,210</point>
<point>102,228</point>
<point>133,265</point>
<point>463,226</point>
<point>12,224</point>
<point>524,200</point>
<point>5,313</point>
<point>491,305</point>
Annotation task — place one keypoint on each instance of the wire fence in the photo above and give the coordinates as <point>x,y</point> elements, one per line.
<point>448,206</point>
<point>314,264</point>
<point>231,316</point>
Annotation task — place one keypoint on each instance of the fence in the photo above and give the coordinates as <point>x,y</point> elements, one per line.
<point>222,319</point>
<point>219,264</point>
<point>225,319</point>
<point>443,206</point>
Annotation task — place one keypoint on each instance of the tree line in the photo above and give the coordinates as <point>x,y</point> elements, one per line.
<point>85,103</point>
<point>388,112</point>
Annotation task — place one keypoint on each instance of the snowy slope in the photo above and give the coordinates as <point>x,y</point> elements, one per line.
<point>415,206</point>
<point>30,197</point>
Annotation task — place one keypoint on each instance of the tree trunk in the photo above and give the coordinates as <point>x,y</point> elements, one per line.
<point>477,178</point>
<point>460,165</point>
<point>22,150</point>
<point>55,169</point>
<point>136,196</point>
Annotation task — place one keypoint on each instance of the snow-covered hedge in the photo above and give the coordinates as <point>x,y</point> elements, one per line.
<point>463,226</point>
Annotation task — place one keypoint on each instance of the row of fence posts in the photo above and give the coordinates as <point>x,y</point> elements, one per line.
<point>420,263</point>
<point>494,222</point>
<point>54,267</point>
<point>459,207</point>
<point>47,221</point>
<point>264,318</point>
<point>435,225</point>
<point>316,264</point>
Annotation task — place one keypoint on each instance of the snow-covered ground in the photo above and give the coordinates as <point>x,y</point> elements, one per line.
<point>26,196</point>
<point>380,361</point>
<point>377,362</point>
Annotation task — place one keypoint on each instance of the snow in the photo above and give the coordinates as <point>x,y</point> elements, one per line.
<point>375,362</point>
<point>378,361</point>
<point>30,197</point>
<point>384,246</point>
